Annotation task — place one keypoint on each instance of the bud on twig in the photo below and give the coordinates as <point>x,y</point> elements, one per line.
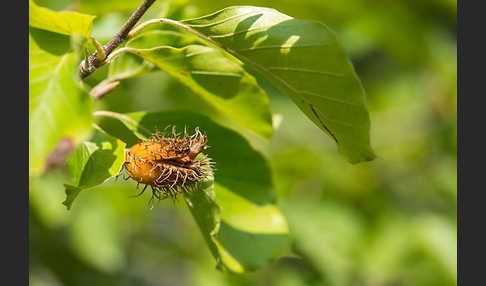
<point>102,89</point>
<point>99,49</point>
<point>85,62</point>
<point>94,61</point>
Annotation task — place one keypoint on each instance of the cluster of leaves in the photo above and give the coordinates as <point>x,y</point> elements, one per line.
<point>216,57</point>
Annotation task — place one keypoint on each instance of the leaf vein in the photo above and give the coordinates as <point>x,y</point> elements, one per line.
<point>222,21</point>
<point>291,69</point>
<point>282,47</point>
<point>216,73</point>
<point>240,32</point>
<point>305,92</point>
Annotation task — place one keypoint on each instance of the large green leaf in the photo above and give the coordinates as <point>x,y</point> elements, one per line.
<point>304,59</point>
<point>93,162</point>
<point>218,79</point>
<point>241,222</point>
<point>58,107</point>
<point>66,22</point>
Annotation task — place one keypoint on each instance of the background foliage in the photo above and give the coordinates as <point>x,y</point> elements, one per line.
<point>391,221</point>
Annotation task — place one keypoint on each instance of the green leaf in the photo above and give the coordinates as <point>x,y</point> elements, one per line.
<point>218,79</point>
<point>304,59</point>
<point>128,65</point>
<point>58,107</point>
<point>72,193</point>
<point>107,6</point>
<point>241,222</point>
<point>66,22</point>
<point>206,212</point>
<point>93,162</point>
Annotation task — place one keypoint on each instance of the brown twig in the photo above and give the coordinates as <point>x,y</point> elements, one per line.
<point>93,61</point>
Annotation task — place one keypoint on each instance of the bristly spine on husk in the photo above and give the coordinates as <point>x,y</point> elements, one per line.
<point>171,165</point>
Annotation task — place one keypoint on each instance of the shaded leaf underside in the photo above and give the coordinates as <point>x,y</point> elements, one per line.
<point>237,214</point>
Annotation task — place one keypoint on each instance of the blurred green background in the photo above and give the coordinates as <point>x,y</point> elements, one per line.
<point>391,221</point>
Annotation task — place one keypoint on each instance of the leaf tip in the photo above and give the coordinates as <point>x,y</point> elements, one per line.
<point>71,194</point>
<point>365,155</point>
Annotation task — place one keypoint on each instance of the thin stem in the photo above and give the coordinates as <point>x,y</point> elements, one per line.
<point>93,62</point>
<point>103,88</point>
<point>117,53</point>
<point>179,25</point>
<point>142,26</point>
<point>129,122</point>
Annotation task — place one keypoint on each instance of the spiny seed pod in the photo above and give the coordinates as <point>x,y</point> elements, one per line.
<point>169,165</point>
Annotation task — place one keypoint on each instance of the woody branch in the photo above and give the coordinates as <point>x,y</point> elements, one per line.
<point>97,59</point>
